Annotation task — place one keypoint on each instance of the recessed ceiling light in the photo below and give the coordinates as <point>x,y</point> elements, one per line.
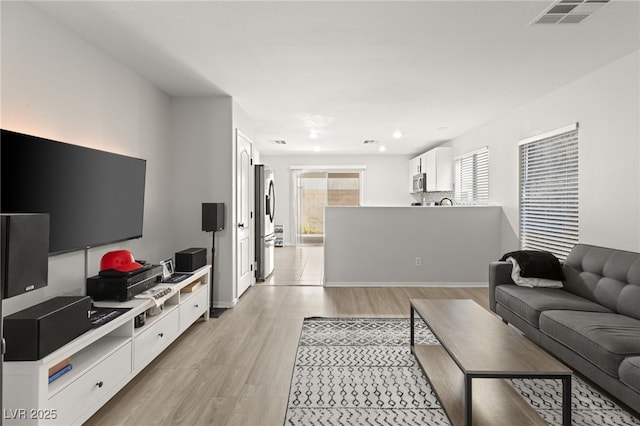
<point>313,134</point>
<point>316,148</point>
<point>397,134</point>
<point>382,148</point>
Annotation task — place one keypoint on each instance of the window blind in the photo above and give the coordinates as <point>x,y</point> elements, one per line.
<point>472,176</point>
<point>549,192</point>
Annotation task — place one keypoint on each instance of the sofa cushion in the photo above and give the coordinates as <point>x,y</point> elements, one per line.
<point>607,276</point>
<point>604,339</point>
<point>528,303</point>
<point>629,372</point>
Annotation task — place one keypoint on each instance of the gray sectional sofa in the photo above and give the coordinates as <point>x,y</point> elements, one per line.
<point>592,323</point>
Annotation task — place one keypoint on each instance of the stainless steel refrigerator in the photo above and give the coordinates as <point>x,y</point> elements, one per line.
<point>265,211</point>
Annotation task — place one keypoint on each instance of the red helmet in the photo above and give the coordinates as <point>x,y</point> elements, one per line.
<point>119,260</point>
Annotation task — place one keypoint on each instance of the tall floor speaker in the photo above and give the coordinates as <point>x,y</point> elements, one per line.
<point>25,252</point>
<point>212,217</point>
<point>212,221</point>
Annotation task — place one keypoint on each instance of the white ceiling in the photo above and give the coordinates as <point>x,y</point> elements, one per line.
<point>355,70</point>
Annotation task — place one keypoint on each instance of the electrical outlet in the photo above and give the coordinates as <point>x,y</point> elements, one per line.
<point>418,261</point>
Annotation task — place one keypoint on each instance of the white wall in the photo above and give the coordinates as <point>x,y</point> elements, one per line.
<point>606,105</point>
<point>203,131</point>
<point>202,134</point>
<point>378,246</point>
<point>57,86</point>
<point>386,181</point>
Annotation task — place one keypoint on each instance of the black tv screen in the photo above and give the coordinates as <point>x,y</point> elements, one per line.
<point>93,197</point>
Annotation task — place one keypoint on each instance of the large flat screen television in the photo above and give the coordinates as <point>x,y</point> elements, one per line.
<point>93,197</point>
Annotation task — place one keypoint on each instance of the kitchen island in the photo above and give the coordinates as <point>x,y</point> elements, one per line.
<point>410,246</point>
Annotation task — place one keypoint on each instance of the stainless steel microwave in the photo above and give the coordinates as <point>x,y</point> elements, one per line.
<point>420,182</point>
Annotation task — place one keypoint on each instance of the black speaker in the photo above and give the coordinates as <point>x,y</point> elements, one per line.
<point>190,259</point>
<point>25,252</point>
<point>212,217</point>
<point>35,332</point>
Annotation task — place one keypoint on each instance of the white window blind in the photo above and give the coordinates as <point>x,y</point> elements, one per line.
<point>472,176</point>
<point>549,192</point>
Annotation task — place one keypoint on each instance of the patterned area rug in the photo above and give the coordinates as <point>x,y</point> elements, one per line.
<point>353,371</point>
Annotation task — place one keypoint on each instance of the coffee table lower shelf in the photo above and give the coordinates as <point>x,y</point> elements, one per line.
<point>494,401</point>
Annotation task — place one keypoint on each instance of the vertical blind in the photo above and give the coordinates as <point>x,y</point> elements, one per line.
<point>549,192</point>
<point>472,176</point>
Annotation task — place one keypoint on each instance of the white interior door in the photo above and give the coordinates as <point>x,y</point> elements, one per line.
<point>244,265</point>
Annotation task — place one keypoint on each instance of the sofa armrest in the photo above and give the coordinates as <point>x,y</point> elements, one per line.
<point>499,273</point>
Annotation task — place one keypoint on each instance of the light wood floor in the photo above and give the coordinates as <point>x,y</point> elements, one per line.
<point>236,369</point>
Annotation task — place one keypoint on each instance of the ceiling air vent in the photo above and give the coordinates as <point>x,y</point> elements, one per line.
<point>569,12</point>
<point>280,142</point>
<point>369,141</point>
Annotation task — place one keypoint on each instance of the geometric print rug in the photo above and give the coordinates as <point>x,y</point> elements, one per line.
<point>360,371</point>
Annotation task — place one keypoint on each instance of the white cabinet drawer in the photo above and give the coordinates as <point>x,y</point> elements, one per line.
<point>155,338</point>
<point>92,386</point>
<point>193,308</point>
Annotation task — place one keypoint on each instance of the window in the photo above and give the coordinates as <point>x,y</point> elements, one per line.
<point>317,187</point>
<point>549,191</point>
<point>472,176</point>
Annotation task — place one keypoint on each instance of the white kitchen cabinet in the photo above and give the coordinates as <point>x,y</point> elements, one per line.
<point>438,165</point>
<point>415,167</point>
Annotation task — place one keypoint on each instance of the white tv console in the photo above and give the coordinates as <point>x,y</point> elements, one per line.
<point>104,359</point>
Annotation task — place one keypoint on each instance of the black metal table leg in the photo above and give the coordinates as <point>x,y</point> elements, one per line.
<point>566,401</point>
<point>468,403</point>
<point>412,315</point>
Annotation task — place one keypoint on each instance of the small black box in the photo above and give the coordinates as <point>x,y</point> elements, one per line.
<point>191,259</point>
<point>24,241</point>
<point>35,332</point>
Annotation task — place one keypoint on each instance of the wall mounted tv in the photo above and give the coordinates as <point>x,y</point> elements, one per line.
<point>93,197</point>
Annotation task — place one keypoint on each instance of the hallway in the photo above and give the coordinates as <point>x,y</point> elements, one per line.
<point>301,265</point>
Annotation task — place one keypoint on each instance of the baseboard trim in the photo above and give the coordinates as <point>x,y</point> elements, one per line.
<point>405,284</point>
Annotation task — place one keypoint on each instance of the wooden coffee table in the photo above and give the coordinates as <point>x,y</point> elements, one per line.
<point>475,344</point>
